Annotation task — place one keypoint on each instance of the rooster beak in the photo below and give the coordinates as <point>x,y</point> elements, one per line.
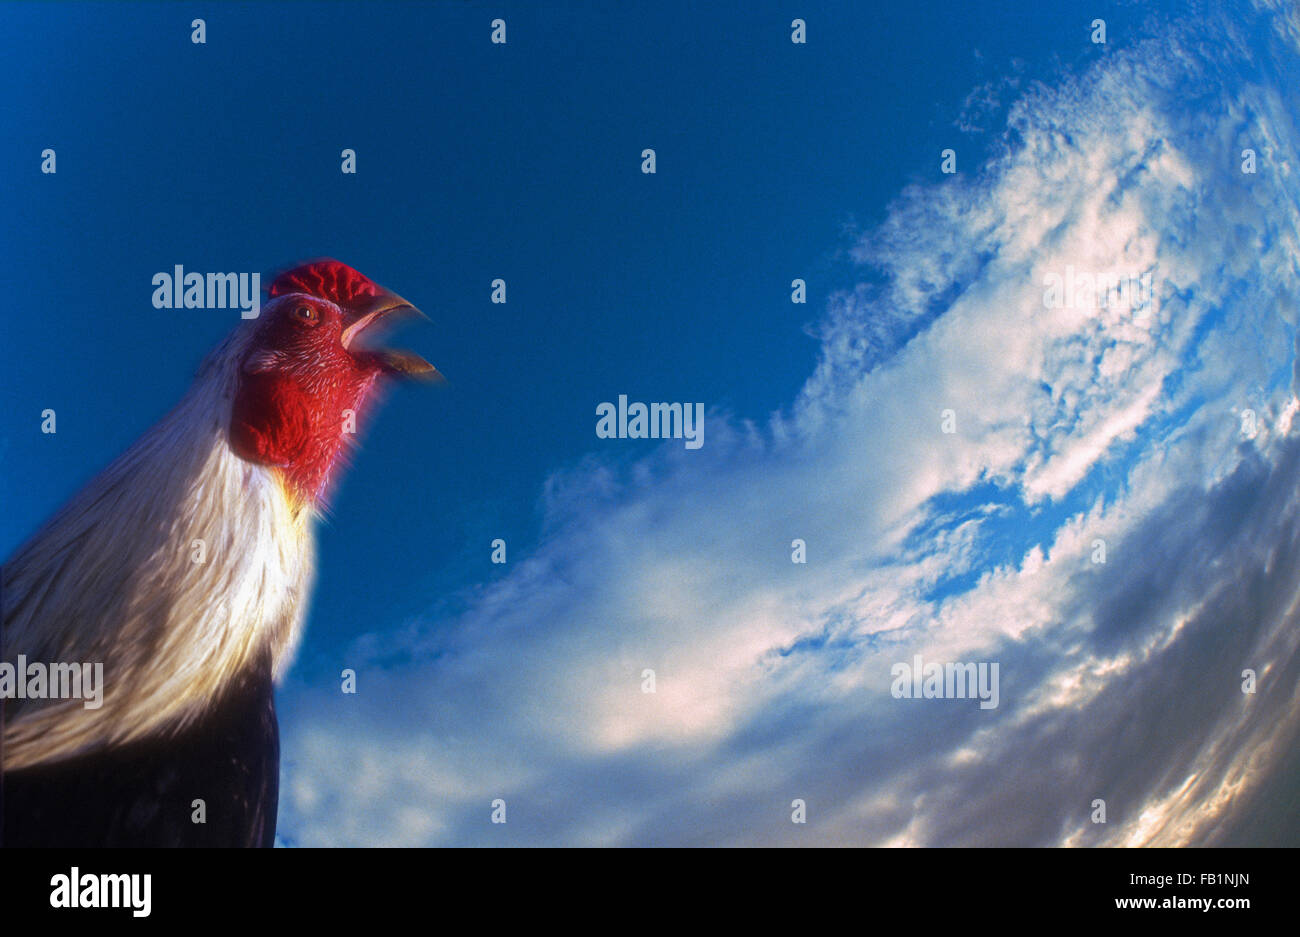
<point>385,307</point>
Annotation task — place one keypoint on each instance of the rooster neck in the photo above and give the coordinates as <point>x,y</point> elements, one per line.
<point>177,567</point>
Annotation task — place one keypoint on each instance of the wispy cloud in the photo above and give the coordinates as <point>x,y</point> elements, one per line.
<point>1120,681</point>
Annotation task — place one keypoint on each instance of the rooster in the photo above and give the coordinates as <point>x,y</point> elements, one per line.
<point>185,568</point>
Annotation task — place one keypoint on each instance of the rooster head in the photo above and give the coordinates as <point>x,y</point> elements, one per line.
<point>306,374</point>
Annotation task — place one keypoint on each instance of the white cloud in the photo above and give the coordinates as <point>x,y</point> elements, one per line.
<point>773,678</point>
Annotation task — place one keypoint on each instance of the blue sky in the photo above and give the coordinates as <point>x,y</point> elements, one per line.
<point>775,161</point>
<point>475,162</point>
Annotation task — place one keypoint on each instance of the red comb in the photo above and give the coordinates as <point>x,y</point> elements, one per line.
<point>328,279</point>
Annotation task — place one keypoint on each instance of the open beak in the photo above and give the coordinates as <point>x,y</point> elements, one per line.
<point>387,307</point>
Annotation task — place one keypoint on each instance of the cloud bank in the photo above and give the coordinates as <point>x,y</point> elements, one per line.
<point>1157,430</point>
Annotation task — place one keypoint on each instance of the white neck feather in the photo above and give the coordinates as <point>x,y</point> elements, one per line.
<point>114,577</point>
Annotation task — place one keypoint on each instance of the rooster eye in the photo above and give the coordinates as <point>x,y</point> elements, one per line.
<point>306,314</point>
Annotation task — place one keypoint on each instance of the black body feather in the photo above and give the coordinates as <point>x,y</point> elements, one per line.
<point>143,793</point>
